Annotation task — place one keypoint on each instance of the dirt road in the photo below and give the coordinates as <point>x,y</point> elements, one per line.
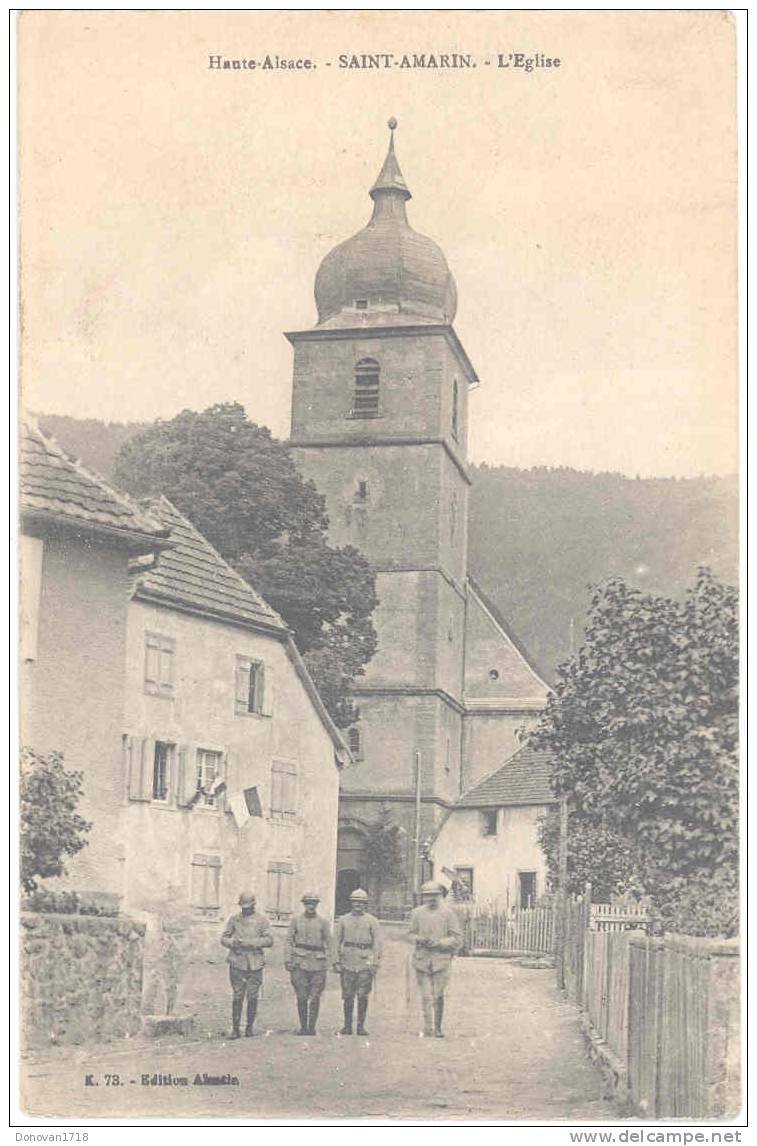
<point>512,1050</point>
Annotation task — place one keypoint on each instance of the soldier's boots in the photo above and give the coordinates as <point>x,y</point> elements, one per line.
<point>362,1011</point>
<point>236,1017</point>
<point>252,1010</point>
<point>315,1005</point>
<point>348,1003</point>
<point>438,1015</point>
<point>302,1011</point>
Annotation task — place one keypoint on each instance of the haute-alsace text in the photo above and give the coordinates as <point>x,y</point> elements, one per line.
<point>375,61</point>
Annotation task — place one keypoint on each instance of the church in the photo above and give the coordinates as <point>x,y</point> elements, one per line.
<point>381,387</point>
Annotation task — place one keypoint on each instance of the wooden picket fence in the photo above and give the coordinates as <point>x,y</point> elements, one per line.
<point>661,1013</point>
<point>526,930</point>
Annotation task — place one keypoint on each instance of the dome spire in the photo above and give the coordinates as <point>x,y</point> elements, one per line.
<point>390,177</point>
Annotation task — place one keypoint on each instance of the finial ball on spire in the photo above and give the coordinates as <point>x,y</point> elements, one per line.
<point>391,123</point>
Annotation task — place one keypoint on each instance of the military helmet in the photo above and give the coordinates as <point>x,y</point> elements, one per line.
<point>247,897</point>
<point>431,887</point>
<point>311,897</point>
<point>359,896</point>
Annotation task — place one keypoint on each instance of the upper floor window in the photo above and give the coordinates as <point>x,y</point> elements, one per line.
<point>361,493</point>
<point>208,773</point>
<point>361,303</point>
<point>249,686</point>
<point>489,822</point>
<point>159,664</point>
<point>30,550</point>
<point>283,788</point>
<point>161,770</point>
<point>366,399</point>
<point>353,737</point>
<point>455,409</point>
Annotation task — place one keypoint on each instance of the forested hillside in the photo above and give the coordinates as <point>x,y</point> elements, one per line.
<point>540,537</point>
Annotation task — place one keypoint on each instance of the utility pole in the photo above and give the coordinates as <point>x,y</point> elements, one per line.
<point>562,892</point>
<point>417,837</point>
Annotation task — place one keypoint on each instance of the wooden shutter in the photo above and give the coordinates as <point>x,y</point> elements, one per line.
<point>222,778</point>
<point>267,686</point>
<point>242,685</point>
<point>186,776</point>
<point>140,767</point>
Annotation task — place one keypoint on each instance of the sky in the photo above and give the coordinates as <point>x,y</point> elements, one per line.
<point>173,216</point>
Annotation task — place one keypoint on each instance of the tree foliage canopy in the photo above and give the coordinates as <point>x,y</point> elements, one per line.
<point>382,851</point>
<point>51,828</point>
<point>240,487</point>
<point>643,727</point>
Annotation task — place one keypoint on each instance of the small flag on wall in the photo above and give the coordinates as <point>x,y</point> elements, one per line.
<point>244,805</point>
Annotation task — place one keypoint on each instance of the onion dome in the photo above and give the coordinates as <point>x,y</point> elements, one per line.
<point>387,273</point>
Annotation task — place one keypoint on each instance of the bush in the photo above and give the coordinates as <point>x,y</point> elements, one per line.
<point>50,825</point>
<point>67,903</point>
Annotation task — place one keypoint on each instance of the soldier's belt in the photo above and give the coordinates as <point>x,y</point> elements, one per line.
<point>309,947</point>
<point>363,946</point>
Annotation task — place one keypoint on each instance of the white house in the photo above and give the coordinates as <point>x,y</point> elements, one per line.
<point>489,839</point>
<point>231,762</point>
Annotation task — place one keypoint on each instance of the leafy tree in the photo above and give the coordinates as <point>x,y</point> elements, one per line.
<point>643,728</point>
<point>50,825</point>
<point>383,853</point>
<point>240,487</point>
<point>596,855</point>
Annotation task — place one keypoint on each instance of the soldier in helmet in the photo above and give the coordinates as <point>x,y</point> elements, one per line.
<point>307,954</point>
<point>246,935</point>
<point>357,953</point>
<point>436,932</point>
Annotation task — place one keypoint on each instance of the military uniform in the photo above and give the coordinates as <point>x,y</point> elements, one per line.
<point>246,936</point>
<point>437,935</point>
<point>308,946</point>
<point>357,953</point>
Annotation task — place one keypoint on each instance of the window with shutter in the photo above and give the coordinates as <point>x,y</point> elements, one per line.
<point>283,788</point>
<point>209,766</point>
<point>159,664</point>
<point>206,882</point>
<point>279,889</point>
<point>161,769</point>
<point>250,687</point>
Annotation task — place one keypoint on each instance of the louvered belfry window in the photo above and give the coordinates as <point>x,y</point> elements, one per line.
<point>366,400</point>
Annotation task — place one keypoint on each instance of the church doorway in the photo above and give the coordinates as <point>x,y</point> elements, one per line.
<point>347,879</point>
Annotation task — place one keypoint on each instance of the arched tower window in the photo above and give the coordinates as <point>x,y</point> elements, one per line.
<point>366,401</point>
<point>455,408</point>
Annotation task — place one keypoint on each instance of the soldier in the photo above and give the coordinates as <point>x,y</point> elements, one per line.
<point>308,945</point>
<point>246,934</point>
<point>437,934</point>
<point>357,953</point>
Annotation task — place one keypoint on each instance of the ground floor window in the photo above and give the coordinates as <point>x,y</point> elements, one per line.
<point>464,878</point>
<point>279,898</point>
<point>206,882</point>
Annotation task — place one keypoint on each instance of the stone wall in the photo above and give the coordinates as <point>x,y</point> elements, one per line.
<point>81,978</point>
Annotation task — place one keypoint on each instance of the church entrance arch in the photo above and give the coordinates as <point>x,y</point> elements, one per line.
<point>350,864</point>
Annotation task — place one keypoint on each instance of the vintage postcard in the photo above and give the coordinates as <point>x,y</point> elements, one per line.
<point>378,544</point>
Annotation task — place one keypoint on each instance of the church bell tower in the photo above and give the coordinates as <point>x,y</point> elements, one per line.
<point>379,422</point>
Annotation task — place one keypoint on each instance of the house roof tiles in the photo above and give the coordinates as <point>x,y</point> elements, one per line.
<point>54,486</point>
<point>192,574</point>
<point>523,779</point>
